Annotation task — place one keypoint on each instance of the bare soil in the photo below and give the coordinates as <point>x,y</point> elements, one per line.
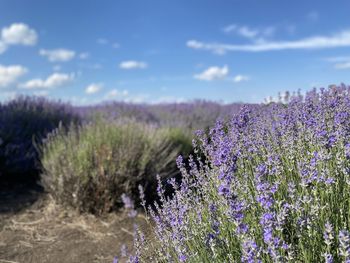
<point>33,228</point>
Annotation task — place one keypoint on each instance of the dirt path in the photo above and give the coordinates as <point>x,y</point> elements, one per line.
<point>43,232</point>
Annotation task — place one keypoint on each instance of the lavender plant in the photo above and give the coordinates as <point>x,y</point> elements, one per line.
<point>89,167</point>
<point>24,121</point>
<point>274,187</point>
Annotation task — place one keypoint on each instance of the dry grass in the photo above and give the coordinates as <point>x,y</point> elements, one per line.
<point>48,233</point>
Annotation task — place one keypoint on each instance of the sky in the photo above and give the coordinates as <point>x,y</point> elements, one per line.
<point>158,51</point>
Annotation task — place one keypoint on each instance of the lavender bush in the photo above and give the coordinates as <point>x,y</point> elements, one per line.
<point>275,187</point>
<point>24,121</point>
<point>89,167</point>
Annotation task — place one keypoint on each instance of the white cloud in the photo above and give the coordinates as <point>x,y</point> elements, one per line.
<point>53,81</point>
<point>58,55</point>
<point>93,88</point>
<point>341,39</point>
<point>19,34</point>
<point>131,64</point>
<point>10,74</point>
<point>84,55</point>
<point>243,31</point>
<point>213,73</point>
<point>248,32</point>
<point>240,78</point>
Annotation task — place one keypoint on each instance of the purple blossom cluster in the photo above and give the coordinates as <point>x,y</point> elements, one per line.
<point>274,186</point>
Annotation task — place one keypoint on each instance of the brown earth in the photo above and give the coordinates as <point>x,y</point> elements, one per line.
<point>33,229</point>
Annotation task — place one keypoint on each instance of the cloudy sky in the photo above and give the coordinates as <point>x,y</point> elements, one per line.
<point>171,50</point>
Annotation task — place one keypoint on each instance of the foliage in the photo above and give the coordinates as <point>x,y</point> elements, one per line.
<point>23,121</point>
<point>89,167</point>
<point>276,188</point>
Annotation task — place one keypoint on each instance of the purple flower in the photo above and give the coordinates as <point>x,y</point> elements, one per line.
<point>212,208</point>
<point>347,150</point>
<point>242,228</point>
<point>250,252</point>
<point>134,259</point>
<point>262,170</point>
<point>182,258</point>
<point>328,258</point>
<point>128,203</point>
<point>123,250</point>
<point>328,234</point>
<point>224,190</point>
<point>331,141</point>
<point>268,235</point>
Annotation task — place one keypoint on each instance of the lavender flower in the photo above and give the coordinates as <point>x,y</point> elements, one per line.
<point>129,205</point>
<point>328,234</point>
<point>265,181</point>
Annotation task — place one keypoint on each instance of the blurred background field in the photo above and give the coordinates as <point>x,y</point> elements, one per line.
<point>85,158</point>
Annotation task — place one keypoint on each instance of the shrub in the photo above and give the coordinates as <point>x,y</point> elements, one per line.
<point>89,167</point>
<point>276,189</point>
<point>23,121</point>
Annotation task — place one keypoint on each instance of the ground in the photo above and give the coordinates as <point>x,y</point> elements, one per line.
<point>34,229</point>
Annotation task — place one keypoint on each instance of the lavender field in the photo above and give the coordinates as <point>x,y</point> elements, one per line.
<point>85,161</point>
<point>217,183</point>
<point>177,131</point>
<point>273,186</point>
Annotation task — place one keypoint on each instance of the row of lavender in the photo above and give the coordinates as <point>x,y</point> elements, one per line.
<point>274,187</point>
<point>195,115</point>
<point>25,121</point>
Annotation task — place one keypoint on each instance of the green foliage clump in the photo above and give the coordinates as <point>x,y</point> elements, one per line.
<point>89,167</point>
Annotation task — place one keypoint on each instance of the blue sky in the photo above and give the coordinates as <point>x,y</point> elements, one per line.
<point>165,50</point>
